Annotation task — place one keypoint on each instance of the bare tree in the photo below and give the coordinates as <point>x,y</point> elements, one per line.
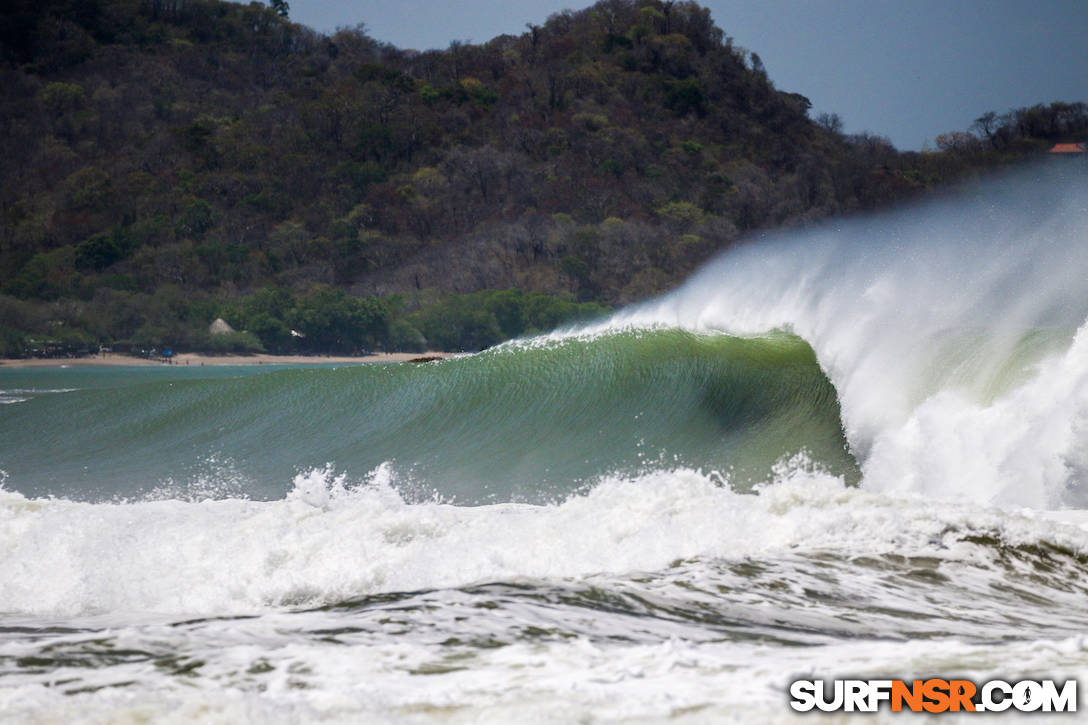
<point>830,121</point>
<point>985,124</point>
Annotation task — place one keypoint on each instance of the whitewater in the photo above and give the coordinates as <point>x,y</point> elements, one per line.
<point>854,450</point>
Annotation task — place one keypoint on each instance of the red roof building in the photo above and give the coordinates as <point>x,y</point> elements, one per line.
<point>1069,148</point>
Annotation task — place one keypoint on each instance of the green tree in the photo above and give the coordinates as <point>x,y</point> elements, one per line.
<point>98,252</point>
<point>61,98</point>
<point>334,321</point>
<point>272,332</point>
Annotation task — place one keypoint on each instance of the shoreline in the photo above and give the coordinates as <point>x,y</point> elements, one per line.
<point>112,359</point>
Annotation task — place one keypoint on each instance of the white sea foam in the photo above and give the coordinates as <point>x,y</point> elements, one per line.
<point>666,538</point>
<point>262,671</point>
<point>327,542</point>
<point>21,395</point>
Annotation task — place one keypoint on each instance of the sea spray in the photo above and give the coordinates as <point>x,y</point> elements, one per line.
<point>947,330</point>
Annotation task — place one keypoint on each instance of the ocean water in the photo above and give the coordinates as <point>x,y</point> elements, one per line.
<point>859,450</point>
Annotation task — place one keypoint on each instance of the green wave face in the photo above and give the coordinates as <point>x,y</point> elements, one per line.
<point>524,422</point>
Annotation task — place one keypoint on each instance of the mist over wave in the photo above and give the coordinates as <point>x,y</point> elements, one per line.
<point>953,333</point>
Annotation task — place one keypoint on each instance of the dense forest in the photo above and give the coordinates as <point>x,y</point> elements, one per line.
<point>168,162</point>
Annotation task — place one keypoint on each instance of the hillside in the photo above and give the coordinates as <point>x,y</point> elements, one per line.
<point>166,162</point>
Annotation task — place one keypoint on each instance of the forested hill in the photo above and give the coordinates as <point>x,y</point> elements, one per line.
<point>165,162</point>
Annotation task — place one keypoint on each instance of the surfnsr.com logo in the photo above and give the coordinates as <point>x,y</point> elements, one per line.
<point>933,695</point>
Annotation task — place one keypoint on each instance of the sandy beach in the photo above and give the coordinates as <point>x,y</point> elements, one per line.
<point>187,358</point>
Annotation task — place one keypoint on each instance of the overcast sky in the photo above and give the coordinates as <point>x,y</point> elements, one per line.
<point>905,69</point>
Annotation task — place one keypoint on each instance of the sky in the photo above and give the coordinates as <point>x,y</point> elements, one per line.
<point>905,69</point>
